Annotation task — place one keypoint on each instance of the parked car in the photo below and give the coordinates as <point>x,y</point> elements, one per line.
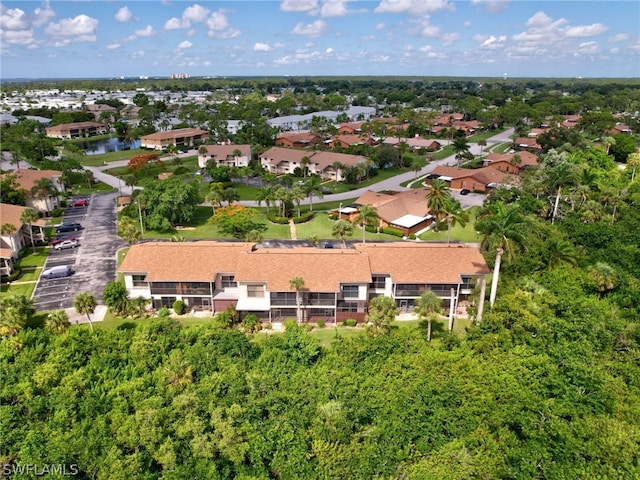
<point>82,202</point>
<point>68,227</point>
<point>58,272</point>
<point>465,191</point>
<point>57,240</point>
<point>67,244</point>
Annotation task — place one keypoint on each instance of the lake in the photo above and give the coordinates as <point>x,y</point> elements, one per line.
<point>106,145</point>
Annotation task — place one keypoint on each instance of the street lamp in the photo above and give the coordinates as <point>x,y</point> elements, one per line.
<point>140,215</point>
<point>340,212</point>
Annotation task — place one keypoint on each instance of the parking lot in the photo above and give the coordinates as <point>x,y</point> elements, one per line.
<point>93,260</point>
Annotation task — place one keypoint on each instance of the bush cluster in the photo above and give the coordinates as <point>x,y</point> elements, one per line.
<point>392,231</point>
<point>305,217</point>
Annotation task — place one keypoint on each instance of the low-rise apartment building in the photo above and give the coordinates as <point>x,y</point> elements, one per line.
<point>182,137</point>
<point>338,282</point>
<point>225,155</point>
<point>76,130</point>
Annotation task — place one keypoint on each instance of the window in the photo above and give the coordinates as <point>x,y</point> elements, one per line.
<point>255,291</point>
<point>229,281</point>
<point>139,280</point>
<point>350,291</point>
<point>378,281</point>
<point>348,307</point>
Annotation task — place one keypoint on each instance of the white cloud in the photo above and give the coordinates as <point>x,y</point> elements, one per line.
<point>81,26</point>
<point>315,29</point>
<point>173,24</point>
<point>414,7</point>
<point>492,6</point>
<point>467,24</point>
<point>43,15</point>
<point>194,14</point>
<point>334,8</point>
<point>17,37</point>
<point>218,26</point>
<point>185,44</point>
<point>137,54</point>
<point>380,26</point>
<point>14,19</point>
<point>148,31</point>
<point>262,47</point>
<point>124,15</point>
<point>586,30</point>
<point>298,5</point>
<point>619,37</point>
<point>114,46</point>
<point>588,48</point>
<point>329,51</point>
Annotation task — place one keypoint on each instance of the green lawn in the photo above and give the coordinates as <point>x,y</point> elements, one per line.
<point>31,265</point>
<point>458,233</point>
<point>104,158</point>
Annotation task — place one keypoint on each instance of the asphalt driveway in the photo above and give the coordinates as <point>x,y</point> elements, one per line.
<point>94,261</point>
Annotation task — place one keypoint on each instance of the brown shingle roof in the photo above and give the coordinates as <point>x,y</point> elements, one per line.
<point>420,263</point>
<point>222,151</point>
<point>28,178</point>
<point>322,270</point>
<point>392,207</point>
<point>177,261</point>
<point>179,133</point>
<point>11,214</point>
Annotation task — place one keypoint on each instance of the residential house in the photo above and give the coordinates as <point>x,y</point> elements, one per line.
<point>99,108</point>
<point>406,210</point>
<point>414,143</point>
<point>620,128</point>
<point>280,160</point>
<point>477,180</point>
<point>28,179</point>
<point>225,155</point>
<point>298,140</point>
<point>76,130</point>
<point>11,244</point>
<point>338,283</point>
<point>511,162</point>
<point>350,128</point>
<point>346,141</point>
<point>182,137</point>
<point>527,143</point>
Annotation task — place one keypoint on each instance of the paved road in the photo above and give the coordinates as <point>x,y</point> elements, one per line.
<point>94,261</point>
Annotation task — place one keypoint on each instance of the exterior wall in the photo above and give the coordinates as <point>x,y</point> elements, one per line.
<point>70,131</point>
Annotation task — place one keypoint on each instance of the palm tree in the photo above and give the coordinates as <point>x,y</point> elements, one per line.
<point>559,172</point>
<point>417,163</point>
<point>305,161</point>
<point>561,251</point>
<point>297,284</point>
<point>28,216</point>
<point>503,228</point>
<point>428,306</point>
<point>43,189</point>
<point>10,230</point>
<point>342,229</point>
<point>460,148</point>
<point>85,303</point>
<point>455,214</point>
<point>265,194</point>
<point>282,195</point>
<point>367,215</point>
<point>311,187</point>
<point>57,321</point>
<point>633,160</point>
<point>438,196</point>
<point>604,275</point>
<point>297,194</point>
<point>607,143</point>
<point>337,167</point>
<point>215,197</point>
<point>482,143</point>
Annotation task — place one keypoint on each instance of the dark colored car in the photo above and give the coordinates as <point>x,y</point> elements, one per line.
<point>82,202</point>
<point>465,191</point>
<point>68,227</point>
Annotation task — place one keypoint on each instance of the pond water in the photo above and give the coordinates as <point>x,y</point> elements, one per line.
<point>106,145</point>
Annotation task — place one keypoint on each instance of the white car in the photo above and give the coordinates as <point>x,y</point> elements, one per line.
<point>66,244</point>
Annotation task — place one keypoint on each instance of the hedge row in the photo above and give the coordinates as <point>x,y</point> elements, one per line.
<point>305,217</point>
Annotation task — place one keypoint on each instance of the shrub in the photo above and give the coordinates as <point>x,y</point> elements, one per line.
<point>272,217</point>
<point>57,212</point>
<point>164,312</point>
<point>63,204</point>
<point>15,275</point>
<point>181,171</point>
<point>250,323</point>
<point>350,322</point>
<point>178,307</point>
<point>370,229</point>
<point>412,236</point>
<point>320,323</point>
<point>305,217</point>
<point>392,231</point>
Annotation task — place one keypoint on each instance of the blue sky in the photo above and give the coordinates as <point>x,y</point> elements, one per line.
<point>544,38</point>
